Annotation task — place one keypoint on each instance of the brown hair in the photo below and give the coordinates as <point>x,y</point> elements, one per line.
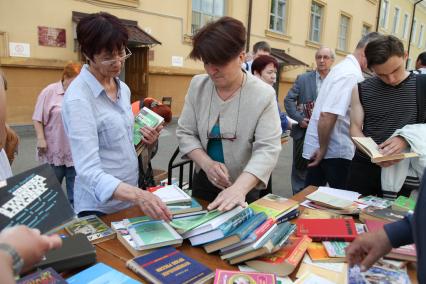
<point>379,50</point>
<point>71,70</point>
<point>218,42</point>
<point>261,62</point>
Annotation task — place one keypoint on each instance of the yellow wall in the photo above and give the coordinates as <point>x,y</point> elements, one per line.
<point>169,22</point>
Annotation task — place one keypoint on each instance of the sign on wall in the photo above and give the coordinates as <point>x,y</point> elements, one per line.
<point>19,49</point>
<point>48,36</point>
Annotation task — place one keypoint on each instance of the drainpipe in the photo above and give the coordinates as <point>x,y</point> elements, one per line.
<point>411,31</point>
<point>249,25</point>
<point>378,16</point>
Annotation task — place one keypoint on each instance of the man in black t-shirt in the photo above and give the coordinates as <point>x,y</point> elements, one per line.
<point>381,105</point>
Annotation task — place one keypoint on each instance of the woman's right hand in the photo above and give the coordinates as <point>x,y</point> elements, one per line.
<point>218,174</point>
<point>153,207</point>
<point>41,145</point>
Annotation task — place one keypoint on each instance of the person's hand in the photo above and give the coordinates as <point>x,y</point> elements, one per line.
<point>304,123</point>
<point>316,158</point>
<point>41,145</point>
<point>150,135</point>
<point>386,164</point>
<point>394,145</point>
<point>366,249</point>
<point>29,243</point>
<point>153,207</point>
<point>218,174</point>
<point>228,199</point>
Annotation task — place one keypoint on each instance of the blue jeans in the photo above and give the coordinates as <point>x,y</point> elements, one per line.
<point>69,174</point>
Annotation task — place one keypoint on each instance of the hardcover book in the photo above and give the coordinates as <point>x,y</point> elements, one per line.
<point>168,265</point>
<point>274,205</point>
<point>233,277</point>
<point>76,251</point>
<point>224,229</point>
<point>370,148</point>
<point>34,198</point>
<point>327,229</point>
<point>46,276</point>
<point>101,273</point>
<point>238,234</point>
<point>146,117</point>
<point>285,260</point>
<point>153,234</point>
<point>124,237</point>
<point>92,227</point>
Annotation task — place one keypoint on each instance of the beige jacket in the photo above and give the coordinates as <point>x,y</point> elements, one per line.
<point>254,117</point>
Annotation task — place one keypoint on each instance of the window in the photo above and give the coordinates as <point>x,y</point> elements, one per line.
<point>413,31</point>
<point>316,21</point>
<point>277,18</point>
<point>409,67</point>
<point>395,21</point>
<point>204,11</point>
<point>420,39</point>
<point>365,29</point>
<point>384,13</point>
<point>405,27</point>
<point>342,43</point>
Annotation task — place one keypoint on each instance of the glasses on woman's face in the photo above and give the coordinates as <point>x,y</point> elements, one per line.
<point>121,59</point>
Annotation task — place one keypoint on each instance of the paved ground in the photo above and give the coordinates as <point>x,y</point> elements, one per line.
<point>281,184</point>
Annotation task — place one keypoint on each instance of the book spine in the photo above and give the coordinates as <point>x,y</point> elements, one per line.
<point>286,218</point>
<point>298,252</point>
<point>262,229</point>
<point>237,220</point>
<point>244,230</point>
<point>280,232</point>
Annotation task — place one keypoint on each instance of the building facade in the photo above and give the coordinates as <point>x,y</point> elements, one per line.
<point>37,38</point>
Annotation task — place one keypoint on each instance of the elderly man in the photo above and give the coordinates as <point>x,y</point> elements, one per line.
<point>298,103</point>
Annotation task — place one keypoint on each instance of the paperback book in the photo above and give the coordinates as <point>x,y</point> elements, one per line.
<point>318,253</point>
<point>381,214</point>
<point>274,205</point>
<point>377,274</point>
<point>186,224</point>
<point>172,195</point>
<point>124,237</point>
<point>168,265</point>
<point>404,204</point>
<point>146,117</point>
<point>92,227</point>
<point>45,276</point>
<point>233,277</point>
<point>101,273</point>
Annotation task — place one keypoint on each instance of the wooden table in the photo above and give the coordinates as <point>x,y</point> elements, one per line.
<point>114,254</point>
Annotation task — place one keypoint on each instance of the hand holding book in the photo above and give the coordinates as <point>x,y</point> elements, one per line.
<point>394,145</point>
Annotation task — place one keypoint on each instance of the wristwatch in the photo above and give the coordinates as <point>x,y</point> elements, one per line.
<point>17,261</point>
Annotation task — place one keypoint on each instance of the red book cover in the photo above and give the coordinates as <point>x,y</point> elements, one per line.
<point>327,229</point>
<point>231,277</point>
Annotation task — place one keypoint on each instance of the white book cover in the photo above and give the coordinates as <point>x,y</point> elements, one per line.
<point>214,223</point>
<point>171,194</point>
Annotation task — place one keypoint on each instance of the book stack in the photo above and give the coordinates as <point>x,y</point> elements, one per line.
<point>334,200</point>
<point>146,117</point>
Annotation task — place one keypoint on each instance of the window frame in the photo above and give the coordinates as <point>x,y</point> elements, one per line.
<point>395,22</point>
<point>420,39</point>
<point>275,15</point>
<point>413,31</point>
<point>321,22</point>
<point>348,32</point>
<point>226,11</point>
<point>366,25</point>
<point>405,26</point>
<point>384,14</point>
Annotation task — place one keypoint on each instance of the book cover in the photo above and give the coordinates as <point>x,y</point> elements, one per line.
<point>124,237</point>
<point>328,200</point>
<point>36,199</point>
<point>152,234</point>
<point>46,276</point>
<point>239,277</point>
<point>375,201</point>
<point>377,274</point>
<point>101,273</point>
<point>168,265</point>
<point>238,234</point>
<point>224,229</point>
<point>289,216</point>
<point>327,229</point>
<point>336,249</point>
<point>318,253</point>
<point>182,209</point>
<point>146,117</point>
<point>172,194</point>
<point>309,213</point>
<point>404,204</point>
<point>384,214</point>
<point>183,225</point>
<point>274,205</point>
<point>334,272</point>
<point>76,251</point>
<point>285,260</point>
<point>370,148</point>
<point>92,227</point>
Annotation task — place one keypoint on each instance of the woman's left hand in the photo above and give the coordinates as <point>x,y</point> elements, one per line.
<point>150,135</point>
<point>228,199</point>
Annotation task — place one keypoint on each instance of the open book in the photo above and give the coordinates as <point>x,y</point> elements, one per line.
<point>369,147</point>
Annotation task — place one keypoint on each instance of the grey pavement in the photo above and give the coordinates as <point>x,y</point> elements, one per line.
<point>281,180</point>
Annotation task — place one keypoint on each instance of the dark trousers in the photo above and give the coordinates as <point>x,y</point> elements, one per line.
<point>87,213</point>
<point>69,174</point>
<point>335,172</point>
<point>202,188</point>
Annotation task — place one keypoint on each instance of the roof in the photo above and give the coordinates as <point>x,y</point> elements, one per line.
<point>285,58</point>
<point>136,35</point>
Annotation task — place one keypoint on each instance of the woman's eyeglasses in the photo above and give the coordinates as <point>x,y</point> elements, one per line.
<point>120,59</point>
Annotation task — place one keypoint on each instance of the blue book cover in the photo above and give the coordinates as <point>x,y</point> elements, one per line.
<point>168,265</point>
<point>101,273</point>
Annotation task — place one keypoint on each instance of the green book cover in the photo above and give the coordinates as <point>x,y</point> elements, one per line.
<point>156,232</point>
<point>146,117</point>
<point>91,226</point>
<point>186,224</point>
<point>403,203</point>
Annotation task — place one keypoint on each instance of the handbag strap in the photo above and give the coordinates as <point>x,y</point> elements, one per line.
<point>420,97</point>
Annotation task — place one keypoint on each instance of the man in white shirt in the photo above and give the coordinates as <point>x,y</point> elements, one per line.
<point>328,144</point>
<point>421,63</point>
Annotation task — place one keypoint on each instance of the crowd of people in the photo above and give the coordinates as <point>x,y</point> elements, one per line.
<point>230,126</point>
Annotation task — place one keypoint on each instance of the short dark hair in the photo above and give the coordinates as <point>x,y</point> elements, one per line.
<point>422,58</point>
<point>261,62</point>
<point>366,39</point>
<point>379,50</point>
<point>100,31</point>
<point>261,45</point>
<point>219,41</point>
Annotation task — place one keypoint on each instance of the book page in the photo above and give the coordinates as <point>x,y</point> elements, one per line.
<point>368,144</point>
<point>340,193</point>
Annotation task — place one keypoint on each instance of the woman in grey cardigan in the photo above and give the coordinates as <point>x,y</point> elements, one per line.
<point>229,125</point>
